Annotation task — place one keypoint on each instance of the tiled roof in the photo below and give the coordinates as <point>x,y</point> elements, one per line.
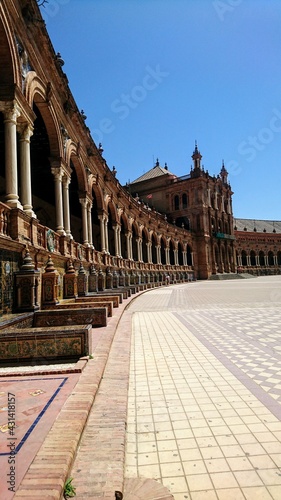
<point>156,171</point>
<point>251,224</point>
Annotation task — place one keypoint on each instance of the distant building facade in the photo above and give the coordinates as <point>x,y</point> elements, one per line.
<point>199,203</point>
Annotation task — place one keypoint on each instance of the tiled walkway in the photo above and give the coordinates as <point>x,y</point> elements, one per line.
<point>204,405</point>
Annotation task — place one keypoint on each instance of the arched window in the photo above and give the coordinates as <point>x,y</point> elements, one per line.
<point>244,258</point>
<point>177,202</point>
<point>253,258</point>
<point>270,259</point>
<point>184,200</point>
<point>261,256</point>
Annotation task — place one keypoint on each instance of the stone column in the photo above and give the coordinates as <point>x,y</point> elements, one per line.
<point>184,258</point>
<point>248,260</point>
<point>101,219</point>
<point>89,223</point>
<point>57,173</point>
<point>106,234</point>
<point>158,254</point>
<point>25,166</point>
<point>115,229</point>
<point>119,240</point>
<point>139,249</point>
<point>167,252</point>
<point>266,260</point>
<point>176,256</point>
<point>149,254</point>
<point>129,245</point>
<point>66,206</point>
<point>192,260</point>
<point>11,172</point>
<point>85,236</point>
<point>257,260</point>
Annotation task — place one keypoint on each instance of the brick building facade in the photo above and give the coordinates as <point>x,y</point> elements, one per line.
<point>58,196</point>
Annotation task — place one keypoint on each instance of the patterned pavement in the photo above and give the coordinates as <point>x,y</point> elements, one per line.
<point>204,406</point>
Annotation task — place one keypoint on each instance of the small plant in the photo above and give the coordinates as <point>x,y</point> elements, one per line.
<point>69,489</point>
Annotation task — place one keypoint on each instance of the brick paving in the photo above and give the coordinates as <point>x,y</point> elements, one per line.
<point>183,390</point>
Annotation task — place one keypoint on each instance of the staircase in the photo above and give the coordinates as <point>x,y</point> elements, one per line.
<point>231,276</point>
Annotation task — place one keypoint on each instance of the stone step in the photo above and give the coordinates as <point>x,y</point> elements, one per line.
<point>138,488</point>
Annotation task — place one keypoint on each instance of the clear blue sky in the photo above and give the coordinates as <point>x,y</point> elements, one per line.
<point>153,76</point>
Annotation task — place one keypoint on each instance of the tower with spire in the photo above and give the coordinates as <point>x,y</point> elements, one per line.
<point>196,170</point>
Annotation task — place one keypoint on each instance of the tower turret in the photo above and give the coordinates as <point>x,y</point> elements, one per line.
<point>196,158</point>
<point>223,173</point>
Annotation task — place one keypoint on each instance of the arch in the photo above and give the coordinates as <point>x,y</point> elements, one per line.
<point>262,259</point>
<point>75,162</point>
<point>184,201</point>
<point>180,253</point>
<point>42,179</point>
<point>97,208</point>
<point>37,95</point>
<point>112,220</point>
<point>253,258</point>
<point>124,226</point>
<point>51,128</point>
<point>145,239</point>
<point>163,246</point>
<point>171,252</point>
<point>270,258</point>
<point>279,258</point>
<point>96,190</point>
<point>176,202</point>
<point>135,236</point>
<point>154,248</point>
<point>9,68</point>
<point>183,222</point>
<point>244,257</point>
<point>189,255</point>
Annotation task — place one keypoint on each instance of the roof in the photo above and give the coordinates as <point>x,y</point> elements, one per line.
<point>156,171</point>
<point>270,226</point>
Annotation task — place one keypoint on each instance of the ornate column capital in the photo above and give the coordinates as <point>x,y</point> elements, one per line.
<point>11,112</point>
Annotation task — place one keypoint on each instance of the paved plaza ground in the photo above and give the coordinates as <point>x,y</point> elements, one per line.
<point>205,389</point>
<point>184,387</point>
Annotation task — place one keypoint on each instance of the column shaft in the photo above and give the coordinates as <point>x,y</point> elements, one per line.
<point>25,166</point>
<point>11,172</point>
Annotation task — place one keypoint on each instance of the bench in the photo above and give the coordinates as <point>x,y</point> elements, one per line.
<point>94,316</point>
<point>95,299</point>
<point>111,293</point>
<point>84,304</point>
<point>44,344</point>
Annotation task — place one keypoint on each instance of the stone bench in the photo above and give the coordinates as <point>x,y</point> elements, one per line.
<point>114,291</point>
<point>84,304</point>
<point>94,316</point>
<point>109,293</point>
<point>115,299</point>
<point>57,342</point>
